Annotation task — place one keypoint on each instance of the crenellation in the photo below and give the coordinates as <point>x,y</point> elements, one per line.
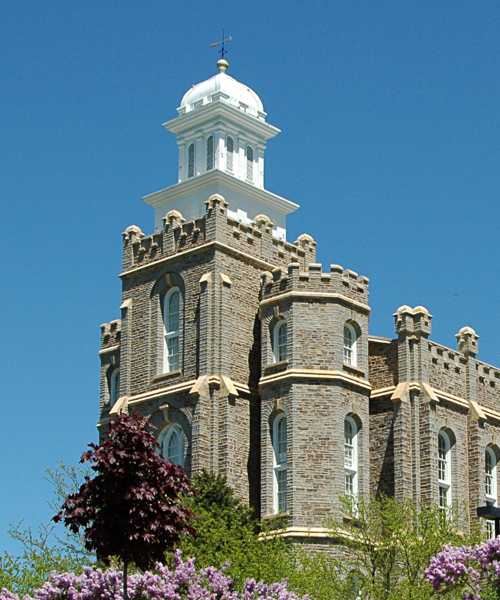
<point>110,333</point>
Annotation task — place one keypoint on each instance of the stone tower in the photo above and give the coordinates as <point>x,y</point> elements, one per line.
<point>255,363</point>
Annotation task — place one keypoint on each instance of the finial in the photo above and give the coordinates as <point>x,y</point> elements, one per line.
<point>222,64</point>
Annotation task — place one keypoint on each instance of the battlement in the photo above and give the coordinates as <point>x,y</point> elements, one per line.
<point>255,238</point>
<point>111,334</point>
<point>312,278</point>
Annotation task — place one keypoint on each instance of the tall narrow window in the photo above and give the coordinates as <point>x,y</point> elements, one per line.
<point>171,326</point>
<point>229,153</point>
<point>249,153</point>
<point>191,157</point>
<point>444,470</point>
<point>210,153</point>
<point>173,445</point>
<point>351,457</point>
<point>280,463</point>
<point>114,386</point>
<point>350,345</point>
<point>490,473</point>
<point>280,341</point>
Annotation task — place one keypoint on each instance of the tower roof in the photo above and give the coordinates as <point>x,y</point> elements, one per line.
<point>222,86</point>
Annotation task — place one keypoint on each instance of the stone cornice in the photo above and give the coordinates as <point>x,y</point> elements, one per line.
<point>221,110</point>
<point>437,395</point>
<point>260,263</point>
<point>299,294</point>
<point>215,176</point>
<point>314,374</point>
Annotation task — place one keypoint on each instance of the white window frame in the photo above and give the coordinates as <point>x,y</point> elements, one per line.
<point>490,485</point>
<point>280,465</point>
<point>114,386</point>
<point>444,471</point>
<point>210,152</point>
<point>351,460</point>
<point>350,352</point>
<point>250,161</point>
<point>229,153</point>
<point>191,159</point>
<point>166,437</point>
<point>280,349</point>
<point>171,334</point>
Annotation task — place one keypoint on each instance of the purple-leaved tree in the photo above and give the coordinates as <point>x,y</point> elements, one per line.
<point>132,508</point>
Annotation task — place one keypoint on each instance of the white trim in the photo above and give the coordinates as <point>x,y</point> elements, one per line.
<point>491,478</point>
<point>444,469</point>
<point>114,386</point>
<point>278,356</point>
<point>171,335</point>
<point>164,441</point>
<point>350,348</point>
<point>280,461</point>
<point>351,460</point>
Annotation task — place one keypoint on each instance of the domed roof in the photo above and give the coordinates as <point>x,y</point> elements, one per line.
<point>223,87</point>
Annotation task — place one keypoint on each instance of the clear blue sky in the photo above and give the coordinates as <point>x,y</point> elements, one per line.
<point>390,118</point>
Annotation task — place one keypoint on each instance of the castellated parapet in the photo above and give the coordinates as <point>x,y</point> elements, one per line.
<point>178,235</point>
<point>312,278</point>
<point>111,334</point>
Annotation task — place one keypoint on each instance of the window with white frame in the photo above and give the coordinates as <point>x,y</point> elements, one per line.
<point>351,457</point>
<point>444,470</point>
<point>191,160</point>
<point>210,153</point>
<point>249,154</point>
<point>171,330</point>
<point>350,345</point>
<point>280,341</point>
<point>229,153</point>
<point>280,460</point>
<point>491,491</point>
<point>173,445</point>
<point>114,386</point>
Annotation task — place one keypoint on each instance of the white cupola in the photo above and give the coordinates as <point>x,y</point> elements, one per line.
<point>221,132</point>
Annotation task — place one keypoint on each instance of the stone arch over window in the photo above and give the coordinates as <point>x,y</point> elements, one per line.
<point>279,340</point>
<point>113,377</point>
<point>352,428</point>
<point>210,153</point>
<point>352,333</point>
<point>250,158</point>
<point>445,443</point>
<point>167,322</point>
<point>279,440</point>
<point>229,153</point>
<point>173,444</point>
<point>191,160</point>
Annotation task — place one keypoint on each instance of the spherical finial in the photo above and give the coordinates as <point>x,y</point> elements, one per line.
<point>222,65</point>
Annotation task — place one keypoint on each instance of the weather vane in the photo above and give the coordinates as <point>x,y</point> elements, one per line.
<point>222,43</point>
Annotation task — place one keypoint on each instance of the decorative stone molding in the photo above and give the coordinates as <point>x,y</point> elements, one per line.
<point>467,341</point>
<point>216,200</point>
<point>132,232</point>
<point>173,218</point>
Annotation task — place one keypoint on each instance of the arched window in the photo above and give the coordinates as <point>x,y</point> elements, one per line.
<point>444,470</point>
<point>351,457</point>
<point>173,445</point>
<point>210,153</point>
<point>280,341</point>
<point>171,327</point>
<point>249,153</point>
<point>114,386</point>
<point>350,345</point>
<point>191,160</point>
<point>490,473</point>
<point>280,463</point>
<point>229,153</point>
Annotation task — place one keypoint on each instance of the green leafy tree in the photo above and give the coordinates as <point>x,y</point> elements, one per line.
<point>389,545</point>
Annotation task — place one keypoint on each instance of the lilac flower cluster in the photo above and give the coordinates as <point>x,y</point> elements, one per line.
<point>469,567</point>
<point>182,582</point>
